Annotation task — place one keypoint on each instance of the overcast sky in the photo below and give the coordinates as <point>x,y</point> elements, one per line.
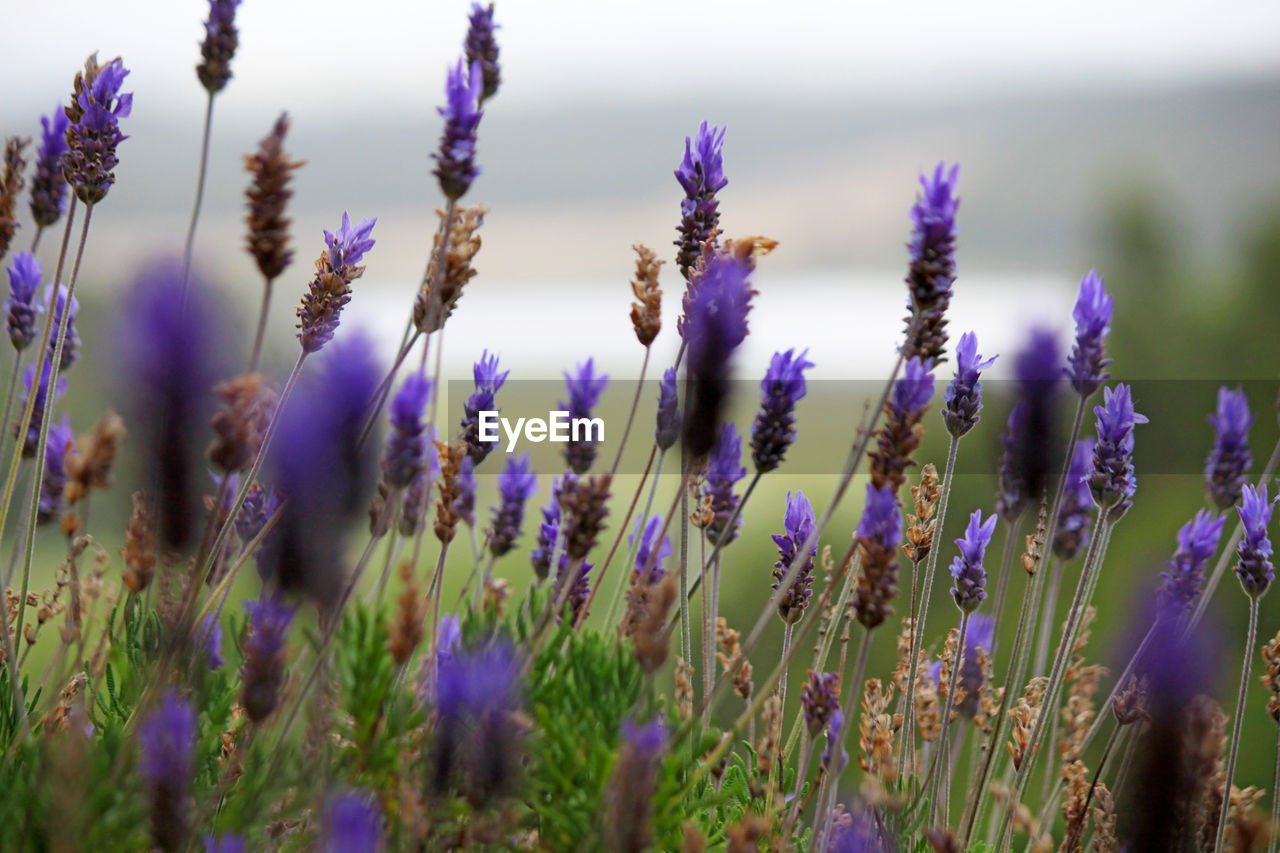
<point>384,52</point>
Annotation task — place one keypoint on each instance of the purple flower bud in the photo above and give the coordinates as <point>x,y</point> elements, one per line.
<point>898,439</point>
<point>834,757</point>
<point>977,638</point>
<point>481,48</point>
<point>1112,480</point>
<point>644,550</point>
<point>1227,469</point>
<point>31,435</point>
<point>798,526</point>
<point>53,479</point>
<point>701,174</point>
<point>1088,362</point>
<point>264,647</point>
<point>455,162</point>
<point>963,397</point>
<point>774,429</point>
<point>1197,543</point>
<point>167,741</point>
<point>476,749</point>
<point>856,833</point>
<point>48,186</point>
<point>258,507</point>
<point>879,534</point>
<point>352,824</point>
<point>585,388</point>
<point>820,700</point>
<point>21,307</point>
<point>406,449</point>
<point>913,390</point>
<point>516,484</point>
<point>488,380</point>
<point>932,270</point>
<point>1073,531</point>
<point>413,510</point>
<point>1253,567</point>
<point>716,327</point>
<point>330,289</point>
<point>548,530</point>
<point>71,341</point>
<point>630,792</point>
<point>1033,448</point>
<point>228,843</point>
<point>1010,499</point>
<point>220,42</point>
<point>212,631</point>
<point>95,112</point>
<point>724,469</point>
<point>668,426</point>
<point>966,569</point>
<point>465,503</point>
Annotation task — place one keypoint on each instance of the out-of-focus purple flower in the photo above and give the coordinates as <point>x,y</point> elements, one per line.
<point>220,42</point>
<point>53,478</point>
<point>1253,566</point>
<point>715,328</point>
<point>413,510</point>
<point>406,449</point>
<point>481,48</point>
<point>798,526</point>
<point>855,833</point>
<point>167,742</point>
<point>1087,365</point>
<point>94,133</point>
<point>1033,448</point>
<point>648,539</point>
<point>264,647</point>
<point>724,469</point>
<point>228,843</point>
<point>668,426</point>
<point>879,534</point>
<point>259,505</point>
<point>1226,470</point>
<point>834,757</point>
<point>516,484</point>
<point>1197,542</point>
<point>1010,499</point>
<point>977,640</point>
<point>701,175</point>
<point>212,630</point>
<point>820,700</point>
<point>21,307</point>
<point>548,529</point>
<point>352,824</point>
<point>630,792</point>
<point>31,435</point>
<point>71,341</point>
<point>465,504</point>
<point>585,387</point>
<point>1112,479</point>
<point>330,289</point>
<point>932,269</point>
<point>963,396</point>
<point>488,380</point>
<point>455,161</point>
<point>48,187</point>
<point>1073,533</point>
<point>898,439</point>
<point>966,569</point>
<point>774,429</point>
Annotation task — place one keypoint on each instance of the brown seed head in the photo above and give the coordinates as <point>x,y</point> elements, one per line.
<point>405,632</point>
<point>432,310</point>
<point>89,464</point>
<point>268,194</point>
<point>240,424</point>
<point>11,183</point>
<point>451,456</point>
<point>139,549</point>
<point>646,315</point>
<point>652,636</point>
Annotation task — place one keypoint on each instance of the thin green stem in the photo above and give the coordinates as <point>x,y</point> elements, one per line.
<point>256,353</point>
<point>635,543</point>
<point>941,758</point>
<point>622,529</point>
<point>830,784</point>
<point>1237,722</point>
<point>1012,531</point>
<point>195,208</point>
<point>631,417</point>
<point>14,376</point>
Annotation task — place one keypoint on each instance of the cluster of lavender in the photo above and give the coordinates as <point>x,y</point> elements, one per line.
<point>359,720</point>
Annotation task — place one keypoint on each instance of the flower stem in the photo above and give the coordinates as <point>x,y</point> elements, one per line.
<point>195,208</point>
<point>631,549</point>
<point>940,758</point>
<point>831,783</point>
<point>622,528</point>
<point>256,353</point>
<point>635,404</point>
<point>1237,721</point>
<point>14,377</point>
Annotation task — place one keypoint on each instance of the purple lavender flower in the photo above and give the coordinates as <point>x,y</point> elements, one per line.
<point>798,529</point>
<point>476,749</point>
<point>167,741</point>
<point>774,430</point>
<point>259,505</point>
<point>21,306</point>
<point>220,42</point>
<point>898,439</point>
<point>1088,362</point>
<point>406,449</point>
<point>1227,469</point>
<point>881,520</point>
<point>1197,543</point>
<point>1037,369</point>
<point>820,700</point>
<point>1010,499</point>
<point>963,396</point>
<point>978,638</point>
<point>1253,566</point>
<point>488,380</point>
<point>212,631</point>
<point>455,162</point>
<point>701,174</point>
<point>715,328</point>
<point>53,480</point>
<point>48,187</point>
<point>264,647</point>
<point>516,484</point>
<point>585,388</point>
<point>913,390</point>
<point>668,426</point>
<point>724,469</point>
<point>630,792</point>
<point>834,757</point>
<point>548,530</point>
<point>352,824</point>
<point>228,843</point>
<point>855,833</point>
<point>413,510</point>
<point>648,539</point>
<point>481,48</point>
<point>879,535</point>
<point>465,503</point>
<point>71,341</point>
<point>932,270</point>
<point>330,289</point>
<point>1073,532</point>
<point>31,435</point>
<point>95,112</point>
<point>1112,480</point>
<point>966,569</point>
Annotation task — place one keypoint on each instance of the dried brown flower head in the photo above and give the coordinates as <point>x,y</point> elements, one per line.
<point>139,549</point>
<point>920,526</point>
<point>652,636</point>
<point>432,310</point>
<point>876,729</point>
<point>405,632</point>
<point>1023,716</point>
<point>11,183</point>
<point>240,424</point>
<point>646,315</point>
<point>268,194</point>
<point>1271,677</point>
<point>451,456</point>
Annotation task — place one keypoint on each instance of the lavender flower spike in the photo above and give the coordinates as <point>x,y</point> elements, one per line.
<point>1033,452</point>
<point>406,450</point>
<point>701,174</point>
<point>798,526</point>
<point>879,534</point>
<point>220,42</point>
<point>1073,532</point>
<point>94,114</point>
<point>21,306</point>
<point>71,342</point>
<point>972,675</point>
<point>1253,567</point>
<point>724,469</point>
<point>648,537</point>
<point>774,430</point>
<point>966,569</point>
<point>1112,480</point>
<point>351,824</point>
<point>30,436</point>
<point>481,48</point>
<point>516,484</point>
<point>715,328</point>
<point>668,426</point>
<point>167,740</point>
<point>48,187</point>
<point>54,478</point>
<point>901,434</point>
<point>820,700</point>
<point>264,648</point>
<point>963,397</point>
<point>1197,542</point>
<point>1226,470</point>
<point>932,270</point>
<point>455,162</point>
<point>488,380</point>
<point>330,289</point>
<point>834,757</point>
<point>1087,365</point>
<point>476,747</point>
<point>229,843</point>
<point>585,388</point>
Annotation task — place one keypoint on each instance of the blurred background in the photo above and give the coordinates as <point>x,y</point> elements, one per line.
<point>1140,139</point>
